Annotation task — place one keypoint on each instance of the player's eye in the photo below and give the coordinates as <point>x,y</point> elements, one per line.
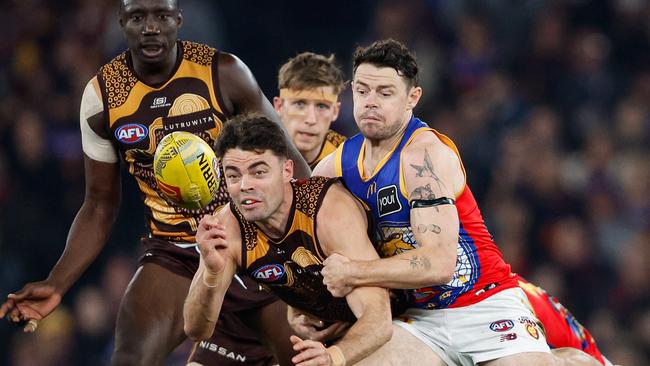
<point>323,106</point>
<point>136,17</point>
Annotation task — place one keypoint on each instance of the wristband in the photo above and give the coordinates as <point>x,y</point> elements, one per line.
<point>336,355</point>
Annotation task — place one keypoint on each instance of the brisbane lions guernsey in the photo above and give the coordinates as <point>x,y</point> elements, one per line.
<point>480,268</point>
<point>137,116</point>
<point>290,265</point>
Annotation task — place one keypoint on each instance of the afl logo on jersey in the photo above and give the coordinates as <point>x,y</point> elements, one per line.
<point>388,200</point>
<point>131,133</point>
<point>502,325</point>
<point>269,273</point>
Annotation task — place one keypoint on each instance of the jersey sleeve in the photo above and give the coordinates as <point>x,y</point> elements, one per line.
<point>96,147</point>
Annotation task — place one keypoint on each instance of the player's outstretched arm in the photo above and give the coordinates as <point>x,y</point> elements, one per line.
<point>242,94</point>
<point>86,238</point>
<point>342,228</point>
<point>90,228</point>
<point>211,280</point>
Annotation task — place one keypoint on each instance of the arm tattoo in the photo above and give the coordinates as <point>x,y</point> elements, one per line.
<point>423,193</point>
<point>419,262</point>
<point>422,228</point>
<point>426,170</point>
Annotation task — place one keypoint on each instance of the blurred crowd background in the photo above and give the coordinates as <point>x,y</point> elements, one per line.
<point>548,102</point>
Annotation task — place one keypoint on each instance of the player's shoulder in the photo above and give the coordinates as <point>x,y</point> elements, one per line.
<point>429,142</point>
<point>92,86</point>
<point>117,64</point>
<point>230,63</point>
<point>326,167</point>
<point>337,198</point>
<point>198,53</point>
<point>335,138</point>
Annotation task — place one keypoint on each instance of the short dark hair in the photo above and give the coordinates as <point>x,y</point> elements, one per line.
<point>121,8</point>
<point>389,53</point>
<point>311,70</point>
<point>251,132</point>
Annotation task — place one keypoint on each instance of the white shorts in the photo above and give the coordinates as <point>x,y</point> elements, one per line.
<point>499,326</point>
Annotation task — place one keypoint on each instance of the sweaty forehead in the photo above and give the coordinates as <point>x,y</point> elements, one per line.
<point>372,75</point>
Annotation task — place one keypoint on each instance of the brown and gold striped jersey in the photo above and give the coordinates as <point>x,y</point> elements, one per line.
<point>138,116</point>
<point>290,266</point>
<point>332,140</point>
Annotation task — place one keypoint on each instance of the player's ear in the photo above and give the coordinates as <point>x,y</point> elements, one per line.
<point>287,170</point>
<point>179,18</point>
<point>337,109</point>
<point>414,97</point>
<point>277,104</point>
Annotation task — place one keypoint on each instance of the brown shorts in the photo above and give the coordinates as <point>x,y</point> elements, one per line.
<point>233,343</point>
<point>226,348</point>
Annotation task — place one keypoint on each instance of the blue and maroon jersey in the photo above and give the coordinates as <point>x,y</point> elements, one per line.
<point>480,268</point>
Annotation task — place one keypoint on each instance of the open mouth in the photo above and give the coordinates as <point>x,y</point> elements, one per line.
<point>249,202</point>
<point>152,50</point>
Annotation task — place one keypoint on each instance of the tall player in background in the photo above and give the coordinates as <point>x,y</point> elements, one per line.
<point>309,85</point>
<point>466,304</point>
<point>157,86</point>
<point>308,103</point>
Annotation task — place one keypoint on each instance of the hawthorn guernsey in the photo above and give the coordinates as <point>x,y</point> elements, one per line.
<point>186,170</point>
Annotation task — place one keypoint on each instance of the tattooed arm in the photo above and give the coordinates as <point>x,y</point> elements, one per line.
<point>431,170</point>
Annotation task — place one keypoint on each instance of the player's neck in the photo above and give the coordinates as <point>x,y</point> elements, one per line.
<point>275,226</point>
<point>311,155</point>
<point>377,149</point>
<point>158,73</point>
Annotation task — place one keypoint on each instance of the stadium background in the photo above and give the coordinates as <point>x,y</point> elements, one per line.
<point>548,102</point>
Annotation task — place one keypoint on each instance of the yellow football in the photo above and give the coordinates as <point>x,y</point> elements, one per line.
<point>186,170</point>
